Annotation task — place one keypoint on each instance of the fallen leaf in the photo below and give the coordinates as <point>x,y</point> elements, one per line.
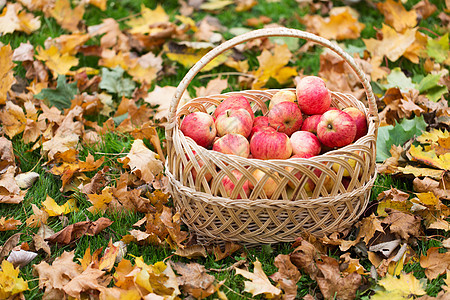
<point>430,185</point>
<point>10,243</point>
<point>340,25</point>
<point>13,119</point>
<point>194,251</point>
<point>20,258</point>
<point>161,97</point>
<point>273,66</point>
<point>304,257</point>
<point>53,209</point>
<point>10,282</point>
<point>7,157</point>
<point>400,288</point>
<point>6,71</point>
<point>60,97</point>
<point>397,16</point>
<point>332,283</point>
<point>194,279</point>
<point>435,263</point>
<point>259,283</point>
<point>142,161</point>
<point>287,276</point>
<point>215,86</point>
<point>75,231</point>
<point>108,259</point>
<point>67,17</point>
<point>9,224</point>
<point>403,224</point>
<point>230,248</point>
<point>438,49</point>
<point>147,17</point>
<point>393,45</point>
<point>88,281</point>
<point>430,157</point>
<point>59,64</point>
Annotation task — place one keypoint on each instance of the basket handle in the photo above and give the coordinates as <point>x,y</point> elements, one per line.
<point>268,32</point>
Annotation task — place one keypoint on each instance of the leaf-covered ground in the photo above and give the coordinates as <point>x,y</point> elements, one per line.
<point>84,91</point>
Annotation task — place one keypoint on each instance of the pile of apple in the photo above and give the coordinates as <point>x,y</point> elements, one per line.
<point>299,124</point>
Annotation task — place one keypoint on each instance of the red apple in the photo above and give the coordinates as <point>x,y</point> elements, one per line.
<point>229,185</point>
<point>305,143</point>
<point>270,186</point>
<point>234,102</point>
<point>234,121</point>
<point>232,143</point>
<point>200,127</point>
<point>282,96</point>
<point>360,120</point>
<point>268,144</point>
<point>285,117</point>
<point>261,121</point>
<point>310,123</point>
<point>313,96</point>
<point>256,129</point>
<point>336,129</point>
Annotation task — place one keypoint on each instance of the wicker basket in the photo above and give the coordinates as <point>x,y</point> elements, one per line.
<point>253,220</point>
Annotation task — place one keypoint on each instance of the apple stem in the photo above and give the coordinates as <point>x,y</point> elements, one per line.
<point>278,128</point>
<point>228,113</point>
<point>329,126</point>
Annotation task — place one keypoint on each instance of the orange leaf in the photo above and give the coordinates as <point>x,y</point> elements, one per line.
<point>13,119</point>
<point>6,71</point>
<point>109,257</point>
<point>9,224</point>
<point>67,17</point>
<point>397,16</point>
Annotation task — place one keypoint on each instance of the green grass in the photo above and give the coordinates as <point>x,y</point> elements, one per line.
<point>287,13</point>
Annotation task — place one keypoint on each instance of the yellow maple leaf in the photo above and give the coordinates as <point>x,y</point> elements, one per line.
<point>10,282</point>
<point>393,45</point>
<point>274,65</point>
<point>145,68</point>
<point>259,283</point>
<point>28,22</point>
<point>400,288</point>
<point>13,119</point>
<point>341,24</point>
<point>397,16</point>
<point>6,71</point>
<point>418,48</point>
<point>148,17</point>
<point>67,17</point>
<point>69,43</point>
<point>98,3</point>
<point>57,63</point>
<point>111,59</point>
<point>53,209</point>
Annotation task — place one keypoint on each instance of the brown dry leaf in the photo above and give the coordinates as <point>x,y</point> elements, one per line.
<point>13,119</point>
<point>215,86</point>
<point>194,251</point>
<point>8,185</point>
<point>333,284</point>
<point>67,135</point>
<point>259,283</point>
<point>393,199</point>
<point>112,35</point>
<point>57,62</point>
<point>173,226</point>
<point>304,257</point>
<point>430,185</point>
<point>88,281</point>
<point>341,24</point>
<point>390,165</point>
<point>194,279</point>
<point>38,218</point>
<point>287,276</point>
<point>40,243</point>
<point>6,71</point>
<point>53,278</point>
<point>396,16</point>
<point>393,45</point>
<point>435,263</point>
<point>73,232</point>
<point>142,161</point>
<point>274,66</point>
<point>67,17</point>
<point>7,157</point>
<point>424,9</point>
<point>230,248</point>
<point>162,97</point>
<point>98,182</point>
<point>352,264</point>
<point>9,224</point>
<point>403,224</point>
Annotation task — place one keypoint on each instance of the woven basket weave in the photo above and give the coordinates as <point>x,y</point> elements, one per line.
<point>214,217</point>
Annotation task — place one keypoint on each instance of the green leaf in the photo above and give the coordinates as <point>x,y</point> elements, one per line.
<point>438,49</point>
<point>62,96</point>
<point>436,93</point>
<point>351,49</point>
<point>428,82</point>
<point>397,135</point>
<point>398,79</point>
<point>114,83</point>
